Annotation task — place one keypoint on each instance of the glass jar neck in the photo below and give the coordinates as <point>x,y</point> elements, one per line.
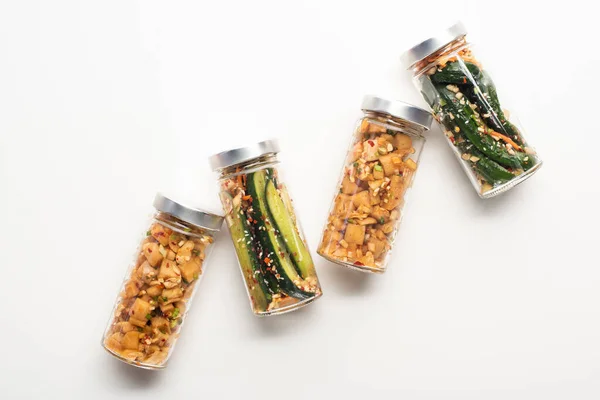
<point>445,52</point>
<point>179,225</point>
<point>402,124</point>
<point>264,161</point>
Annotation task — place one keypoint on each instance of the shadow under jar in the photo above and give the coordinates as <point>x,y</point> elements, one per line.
<point>273,255</point>
<point>379,169</point>
<point>159,285</point>
<point>486,139</point>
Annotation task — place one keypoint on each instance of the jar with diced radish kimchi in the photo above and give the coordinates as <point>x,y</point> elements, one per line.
<point>485,137</point>
<point>160,283</point>
<point>378,172</point>
<point>274,258</point>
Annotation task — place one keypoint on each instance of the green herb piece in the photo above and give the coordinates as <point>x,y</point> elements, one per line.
<point>381,220</point>
<point>173,323</point>
<point>148,233</point>
<point>165,298</point>
<point>355,164</point>
<point>196,252</point>
<point>378,167</point>
<point>173,236</point>
<point>175,313</point>
<point>140,329</point>
<point>148,316</point>
<point>195,276</point>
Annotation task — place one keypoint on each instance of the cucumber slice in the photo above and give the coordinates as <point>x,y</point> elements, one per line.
<point>255,281</point>
<point>455,73</point>
<point>275,256</point>
<point>284,222</point>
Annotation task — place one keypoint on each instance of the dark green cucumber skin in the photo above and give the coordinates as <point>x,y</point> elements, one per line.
<point>280,215</point>
<point>260,238</point>
<point>455,73</point>
<point>476,97</point>
<point>489,89</point>
<point>465,119</point>
<point>247,254</point>
<point>490,170</point>
<point>272,248</point>
<point>486,98</point>
<point>479,88</point>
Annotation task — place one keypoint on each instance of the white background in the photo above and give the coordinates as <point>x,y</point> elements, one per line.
<point>104,103</point>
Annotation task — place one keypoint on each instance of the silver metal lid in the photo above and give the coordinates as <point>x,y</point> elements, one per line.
<point>194,216</point>
<point>398,109</point>
<point>242,154</point>
<point>433,44</point>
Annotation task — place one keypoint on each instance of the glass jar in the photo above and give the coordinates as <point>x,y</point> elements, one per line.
<point>273,255</point>
<point>160,283</point>
<point>379,169</point>
<point>486,139</point>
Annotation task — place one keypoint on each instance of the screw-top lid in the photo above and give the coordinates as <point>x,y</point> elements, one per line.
<point>398,109</point>
<point>433,44</point>
<point>243,154</point>
<point>194,216</point>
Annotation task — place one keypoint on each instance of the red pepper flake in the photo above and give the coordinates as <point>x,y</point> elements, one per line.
<point>149,250</point>
<point>464,79</point>
<point>255,221</point>
<point>358,263</point>
<point>452,140</point>
<point>267,260</point>
<point>371,143</point>
<point>247,197</point>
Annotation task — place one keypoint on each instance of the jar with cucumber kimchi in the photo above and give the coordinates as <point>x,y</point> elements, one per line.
<point>379,169</point>
<point>481,130</point>
<point>160,283</point>
<point>273,255</point>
